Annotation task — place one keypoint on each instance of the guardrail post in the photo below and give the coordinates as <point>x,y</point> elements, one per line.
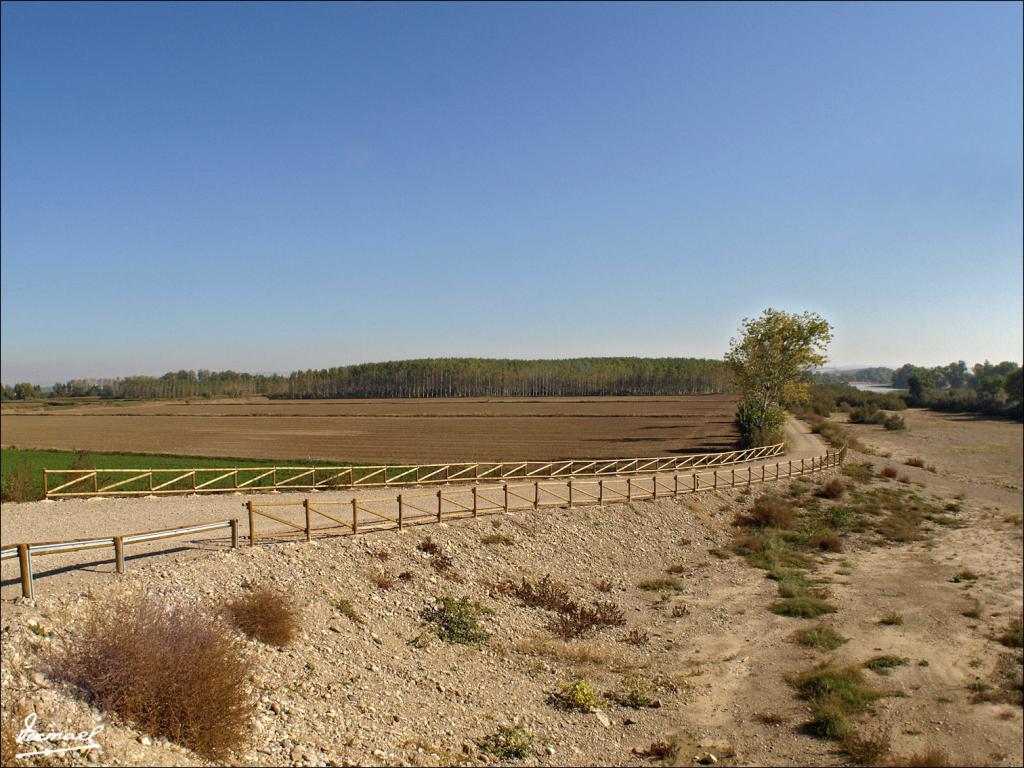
<point>252,524</point>
<point>569,483</point>
<point>234,532</point>
<point>25,562</point>
<point>355,515</point>
<point>399,511</point>
<point>439,500</point>
<point>119,553</point>
<point>309,527</point>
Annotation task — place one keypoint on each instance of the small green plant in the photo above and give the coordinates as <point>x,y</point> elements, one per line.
<point>821,636</point>
<point>459,621</point>
<point>964,575</point>
<point>891,619</point>
<point>661,585</point>
<point>346,609</point>
<point>1013,635</point>
<point>802,607</point>
<point>834,693</point>
<point>578,695</point>
<point>497,538</point>
<point>636,696</point>
<point>882,665</point>
<point>507,743</point>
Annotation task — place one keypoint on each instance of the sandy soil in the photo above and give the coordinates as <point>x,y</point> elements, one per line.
<point>361,694</point>
<point>387,431</point>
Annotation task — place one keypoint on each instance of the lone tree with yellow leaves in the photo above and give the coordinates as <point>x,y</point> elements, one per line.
<point>770,363</point>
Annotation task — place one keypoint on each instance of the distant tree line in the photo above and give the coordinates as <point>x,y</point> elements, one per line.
<point>444,377</point>
<point>877,375</point>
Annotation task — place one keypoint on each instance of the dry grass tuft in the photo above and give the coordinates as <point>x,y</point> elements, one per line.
<point>170,670</point>
<point>604,585</point>
<point>497,538</point>
<point>890,472</point>
<point>866,750</point>
<point>915,461</point>
<point>891,619</point>
<point>382,580</point>
<point>429,546</point>
<point>265,615</point>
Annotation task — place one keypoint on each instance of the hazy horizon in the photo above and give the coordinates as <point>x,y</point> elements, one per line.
<point>291,186</point>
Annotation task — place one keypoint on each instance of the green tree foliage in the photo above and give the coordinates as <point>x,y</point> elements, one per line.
<point>770,364</point>
<point>448,377</point>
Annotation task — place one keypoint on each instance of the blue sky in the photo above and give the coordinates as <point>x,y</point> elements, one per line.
<point>271,187</point>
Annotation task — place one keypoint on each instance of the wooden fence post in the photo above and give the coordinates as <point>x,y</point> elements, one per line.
<point>732,482</point>
<point>629,489</point>
<point>801,466</point>
<point>600,493</point>
<point>252,524</point>
<point>569,484</point>
<point>750,476</point>
<point>536,495</point>
<point>654,487</point>
<point>234,532</point>
<point>25,562</point>
<point>675,478</point>
<point>696,482</point>
<point>309,526</point>
<point>505,488</point>
<point>119,554</point>
<point>439,502</point>
<point>399,511</point>
<point>715,486</point>
<point>355,515</point>
<point>46,482</point>
<point>474,501</point>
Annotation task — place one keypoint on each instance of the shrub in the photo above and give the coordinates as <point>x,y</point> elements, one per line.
<point>265,615</point>
<point>170,670</point>
<point>579,621</point>
<point>758,429</point>
<point>429,546</point>
<point>637,637</point>
<point>546,593</point>
<point>17,483</point>
<point>603,585</point>
<point>441,563</point>
<point>802,607</point>
<point>821,636</point>
<point>866,750</point>
<point>883,664</point>
<point>894,423</point>
<point>833,489</point>
<point>825,540</point>
<point>1013,636</point>
<point>859,473</point>
<point>915,461</point>
<point>889,472</point>
<point>964,575</point>
<point>458,621</point>
<point>661,584</point>
<point>497,538</point>
<point>345,608</point>
<point>891,619</point>
<point>834,693</point>
<point>579,695</point>
<point>507,743</point>
<point>382,580</point>
<point>768,512</point>
<point>636,695</point>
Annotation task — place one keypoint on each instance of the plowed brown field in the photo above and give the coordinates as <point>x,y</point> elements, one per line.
<point>391,431</point>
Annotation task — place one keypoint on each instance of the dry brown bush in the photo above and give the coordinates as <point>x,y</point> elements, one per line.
<point>915,461</point>
<point>382,580</point>
<point>172,671</point>
<point>833,489</point>
<point>265,615</point>
<point>581,620</point>
<point>890,472</point>
<point>429,546</point>
<point>768,512</point>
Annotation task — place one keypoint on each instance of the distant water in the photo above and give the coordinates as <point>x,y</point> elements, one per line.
<point>869,387</point>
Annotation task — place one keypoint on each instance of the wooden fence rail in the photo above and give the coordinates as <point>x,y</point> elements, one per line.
<point>72,483</point>
<point>366,515</point>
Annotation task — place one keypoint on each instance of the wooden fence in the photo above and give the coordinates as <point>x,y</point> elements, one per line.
<point>365,515</point>
<point>71,483</point>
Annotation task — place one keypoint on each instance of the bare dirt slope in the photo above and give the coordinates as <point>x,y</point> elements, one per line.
<point>708,649</point>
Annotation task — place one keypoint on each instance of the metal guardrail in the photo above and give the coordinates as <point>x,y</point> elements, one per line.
<point>77,483</point>
<point>24,552</point>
